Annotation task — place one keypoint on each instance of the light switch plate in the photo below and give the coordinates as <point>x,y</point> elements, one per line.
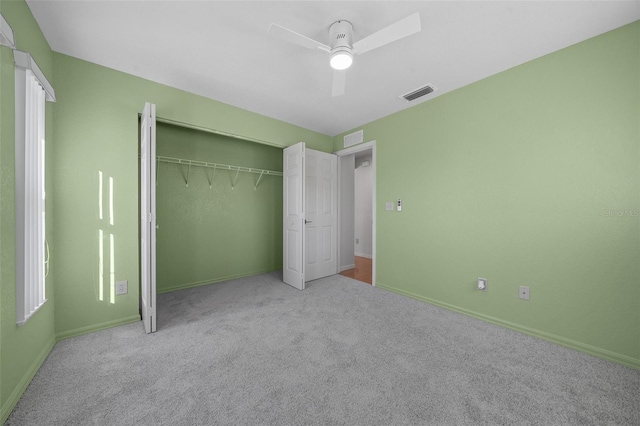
<point>482,284</point>
<point>388,206</point>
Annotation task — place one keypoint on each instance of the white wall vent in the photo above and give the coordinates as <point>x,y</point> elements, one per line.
<point>418,93</point>
<point>354,138</point>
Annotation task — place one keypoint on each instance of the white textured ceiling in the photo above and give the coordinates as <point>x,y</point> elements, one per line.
<point>222,50</point>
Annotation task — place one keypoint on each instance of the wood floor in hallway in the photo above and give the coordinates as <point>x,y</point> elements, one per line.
<point>362,271</point>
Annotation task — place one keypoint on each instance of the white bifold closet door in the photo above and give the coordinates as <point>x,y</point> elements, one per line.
<point>148,217</point>
<point>310,227</point>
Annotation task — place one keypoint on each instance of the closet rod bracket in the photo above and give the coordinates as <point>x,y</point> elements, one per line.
<point>255,187</point>
<point>235,179</point>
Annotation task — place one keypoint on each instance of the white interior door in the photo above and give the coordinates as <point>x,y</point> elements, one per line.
<point>293,213</point>
<point>321,214</point>
<point>148,217</point>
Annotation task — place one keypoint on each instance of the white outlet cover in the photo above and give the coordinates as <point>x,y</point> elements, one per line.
<point>122,287</point>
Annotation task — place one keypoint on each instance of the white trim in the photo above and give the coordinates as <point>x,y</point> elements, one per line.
<point>25,60</point>
<point>6,33</point>
<point>371,145</point>
<point>357,148</point>
<point>347,267</point>
<point>366,256</point>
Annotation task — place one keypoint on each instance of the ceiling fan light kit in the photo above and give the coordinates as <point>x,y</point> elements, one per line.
<point>341,59</point>
<point>341,46</point>
<point>340,38</point>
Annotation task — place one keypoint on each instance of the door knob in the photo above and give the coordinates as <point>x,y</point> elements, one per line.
<point>307,221</point>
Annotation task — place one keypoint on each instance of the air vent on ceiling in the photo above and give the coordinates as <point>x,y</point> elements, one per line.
<point>418,93</point>
<point>354,138</point>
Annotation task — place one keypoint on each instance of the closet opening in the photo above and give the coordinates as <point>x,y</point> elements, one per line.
<point>218,207</point>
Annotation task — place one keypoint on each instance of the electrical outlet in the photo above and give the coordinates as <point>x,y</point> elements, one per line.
<point>482,284</point>
<point>122,287</point>
<point>523,292</point>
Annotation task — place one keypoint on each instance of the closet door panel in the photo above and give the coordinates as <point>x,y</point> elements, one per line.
<point>148,217</point>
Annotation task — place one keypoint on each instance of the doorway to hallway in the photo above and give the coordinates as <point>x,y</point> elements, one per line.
<point>357,215</point>
<point>362,271</point>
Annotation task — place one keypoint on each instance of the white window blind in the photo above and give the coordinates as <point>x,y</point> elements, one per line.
<point>32,90</point>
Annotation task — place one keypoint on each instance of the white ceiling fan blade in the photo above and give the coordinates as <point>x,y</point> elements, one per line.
<point>401,29</point>
<point>339,79</point>
<point>295,38</point>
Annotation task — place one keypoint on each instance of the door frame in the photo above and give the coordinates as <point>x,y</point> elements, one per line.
<point>371,145</point>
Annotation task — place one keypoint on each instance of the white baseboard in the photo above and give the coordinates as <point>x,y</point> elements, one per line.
<point>344,268</point>
<point>368,256</point>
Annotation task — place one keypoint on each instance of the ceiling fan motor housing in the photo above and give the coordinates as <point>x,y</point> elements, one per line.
<point>341,36</point>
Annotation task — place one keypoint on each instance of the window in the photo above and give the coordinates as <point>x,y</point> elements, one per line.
<point>32,89</point>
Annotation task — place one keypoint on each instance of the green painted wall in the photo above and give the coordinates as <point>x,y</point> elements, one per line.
<point>22,349</point>
<point>97,130</point>
<point>209,234</point>
<point>529,177</point>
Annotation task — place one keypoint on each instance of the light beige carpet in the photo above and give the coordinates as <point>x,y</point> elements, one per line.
<point>255,351</point>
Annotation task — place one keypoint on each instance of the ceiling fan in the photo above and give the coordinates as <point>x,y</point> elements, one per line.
<point>341,46</point>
